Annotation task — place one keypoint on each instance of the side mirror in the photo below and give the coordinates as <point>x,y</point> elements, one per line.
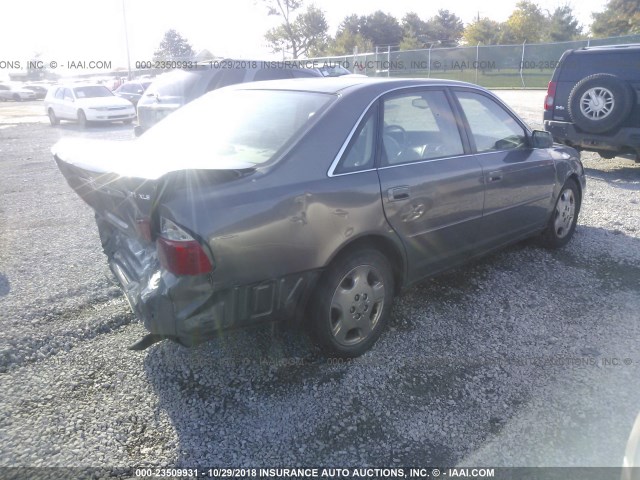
<point>541,139</point>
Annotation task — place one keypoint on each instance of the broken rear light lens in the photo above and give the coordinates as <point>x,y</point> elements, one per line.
<point>179,252</point>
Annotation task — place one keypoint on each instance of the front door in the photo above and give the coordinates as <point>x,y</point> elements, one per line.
<point>519,179</point>
<point>432,188</point>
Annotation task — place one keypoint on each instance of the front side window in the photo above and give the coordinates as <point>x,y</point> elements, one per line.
<point>419,126</point>
<point>492,127</point>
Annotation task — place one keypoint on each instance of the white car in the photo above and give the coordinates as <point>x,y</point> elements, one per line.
<point>87,103</point>
<point>18,93</point>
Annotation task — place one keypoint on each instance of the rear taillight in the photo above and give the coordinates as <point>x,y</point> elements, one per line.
<point>179,252</point>
<point>551,93</point>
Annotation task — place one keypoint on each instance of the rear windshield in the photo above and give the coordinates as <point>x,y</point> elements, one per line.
<point>92,91</point>
<point>245,126</point>
<point>580,64</point>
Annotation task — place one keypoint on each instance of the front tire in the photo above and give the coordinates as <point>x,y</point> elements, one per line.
<point>353,303</point>
<point>564,218</point>
<point>53,120</point>
<point>82,119</point>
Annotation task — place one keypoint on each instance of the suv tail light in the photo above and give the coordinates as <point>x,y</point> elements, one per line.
<point>551,93</point>
<point>179,252</point>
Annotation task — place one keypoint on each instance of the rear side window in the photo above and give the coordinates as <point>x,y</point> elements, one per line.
<point>60,93</point>
<point>360,154</point>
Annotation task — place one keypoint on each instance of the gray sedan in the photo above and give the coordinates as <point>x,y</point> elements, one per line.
<point>316,201</point>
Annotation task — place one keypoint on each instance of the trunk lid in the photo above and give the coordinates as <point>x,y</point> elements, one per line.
<point>123,180</point>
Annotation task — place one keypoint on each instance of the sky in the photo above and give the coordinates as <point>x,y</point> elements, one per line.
<point>81,30</point>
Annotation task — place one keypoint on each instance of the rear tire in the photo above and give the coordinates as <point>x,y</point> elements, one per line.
<point>563,220</point>
<point>601,102</point>
<point>352,304</point>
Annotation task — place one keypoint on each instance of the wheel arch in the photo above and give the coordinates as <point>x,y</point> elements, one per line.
<point>574,176</point>
<point>388,247</point>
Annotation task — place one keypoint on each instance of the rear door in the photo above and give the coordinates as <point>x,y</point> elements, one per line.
<point>519,179</point>
<point>432,188</point>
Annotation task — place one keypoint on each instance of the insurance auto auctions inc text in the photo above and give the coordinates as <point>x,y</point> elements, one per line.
<point>373,472</point>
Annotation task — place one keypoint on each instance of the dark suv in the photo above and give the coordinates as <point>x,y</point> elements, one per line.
<point>175,89</point>
<point>592,100</point>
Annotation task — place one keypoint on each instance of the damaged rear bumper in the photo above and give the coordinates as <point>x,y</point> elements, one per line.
<point>187,309</point>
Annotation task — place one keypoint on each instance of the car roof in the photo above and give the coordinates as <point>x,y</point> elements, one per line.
<point>632,47</point>
<point>335,85</point>
<point>80,84</point>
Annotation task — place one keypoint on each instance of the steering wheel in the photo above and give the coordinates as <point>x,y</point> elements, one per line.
<point>397,132</point>
<point>393,145</point>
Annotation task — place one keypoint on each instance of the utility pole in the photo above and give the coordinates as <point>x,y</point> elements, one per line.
<point>126,39</point>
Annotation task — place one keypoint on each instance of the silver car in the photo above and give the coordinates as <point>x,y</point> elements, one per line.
<point>15,92</point>
<point>316,201</point>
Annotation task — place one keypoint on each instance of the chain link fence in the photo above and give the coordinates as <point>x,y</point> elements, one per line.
<point>492,66</point>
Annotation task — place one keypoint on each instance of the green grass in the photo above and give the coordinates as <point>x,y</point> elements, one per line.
<point>504,78</point>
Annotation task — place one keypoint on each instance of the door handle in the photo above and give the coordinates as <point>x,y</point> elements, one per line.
<point>398,193</point>
<point>494,176</point>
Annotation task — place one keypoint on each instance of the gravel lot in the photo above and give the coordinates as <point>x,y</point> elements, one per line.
<point>526,358</point>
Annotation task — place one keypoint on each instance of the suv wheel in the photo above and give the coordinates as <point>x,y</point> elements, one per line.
<point>600,102</point>
<point>352,304</point>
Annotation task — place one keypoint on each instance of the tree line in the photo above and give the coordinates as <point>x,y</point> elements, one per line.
<point>304,32</point>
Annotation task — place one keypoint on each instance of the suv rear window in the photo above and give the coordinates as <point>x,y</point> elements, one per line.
<point>177,84</point>
<point>272,74</point>
<point>579,65</point>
